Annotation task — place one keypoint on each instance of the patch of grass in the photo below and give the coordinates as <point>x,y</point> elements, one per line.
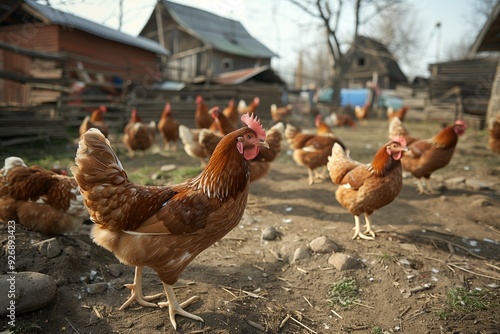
<point>142,175</point>
<point>387,257</point>
<point>377,330</point>
<point>343,293</point>
<point>462,302</point>
<point>181,174</point>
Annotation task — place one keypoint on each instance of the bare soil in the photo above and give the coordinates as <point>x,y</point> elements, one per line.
<point>249,285</point>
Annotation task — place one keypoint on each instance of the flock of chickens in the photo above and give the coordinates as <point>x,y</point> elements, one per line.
<point>166,227</point>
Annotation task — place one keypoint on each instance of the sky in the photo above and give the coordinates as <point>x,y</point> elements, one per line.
<point>285,30</point>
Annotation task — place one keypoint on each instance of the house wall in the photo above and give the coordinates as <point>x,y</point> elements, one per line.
<point>33,37</point>
<point>190,57</point>
<point>106,57</point>
<point>361,69</point>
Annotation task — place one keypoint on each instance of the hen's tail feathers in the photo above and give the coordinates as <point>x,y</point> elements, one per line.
<point>290,132</point>
<point>185,134</point>
<point>279,127</point>
<point>96,162</point>
<point>396,128</point>
<point>336,163</point>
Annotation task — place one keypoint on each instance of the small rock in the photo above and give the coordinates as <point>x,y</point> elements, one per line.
<point>455,180</point>
<point>115,269</point>
<point>323,245</point>
<point>168,168</point>
<point>118,283</point>
<point>269,233</point>
<point>475,184</point>
<point>300,253</point>
<point>480,202</point>
<point>49,248</point>
<point>30,291</point>
<point>343,261</point>
<point>96,288</point>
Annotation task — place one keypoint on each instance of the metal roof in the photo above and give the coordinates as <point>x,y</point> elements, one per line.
<point>221,33</point>
<point>488,38</point>
<point>69,20</point>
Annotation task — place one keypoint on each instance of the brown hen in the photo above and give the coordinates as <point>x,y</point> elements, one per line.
<point>40,199</point>
<point>362,188</point>
<point>165,228</point>
<point>168,128</point>
<point>425,156</point>
<point>310,150</point>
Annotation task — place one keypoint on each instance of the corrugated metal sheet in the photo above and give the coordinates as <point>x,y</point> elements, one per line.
<point>221,33</point>
<point>71,21</point>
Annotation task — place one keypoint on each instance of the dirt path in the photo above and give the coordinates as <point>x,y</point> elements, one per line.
<point>248,285</point>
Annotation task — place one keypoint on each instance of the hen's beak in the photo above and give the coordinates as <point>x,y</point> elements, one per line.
<point>263,143</point>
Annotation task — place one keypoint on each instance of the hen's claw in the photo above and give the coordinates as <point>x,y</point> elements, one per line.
<point>136,292</point>
<point>175,308</point>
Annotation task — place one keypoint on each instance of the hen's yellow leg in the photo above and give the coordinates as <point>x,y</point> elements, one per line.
<point>357,232</point>
<point>136,292</point>
<point>430,190</point>
<point>368,226</point>
<point>175,308</point>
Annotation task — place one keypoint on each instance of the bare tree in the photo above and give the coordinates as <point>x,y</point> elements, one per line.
<point>398,28</point>
<point>329,12</point>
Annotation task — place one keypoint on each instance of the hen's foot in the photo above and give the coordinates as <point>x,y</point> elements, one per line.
<point>136,295</point>
<point>174,308</point>
<point>136,292</point>
<point>361,235</point>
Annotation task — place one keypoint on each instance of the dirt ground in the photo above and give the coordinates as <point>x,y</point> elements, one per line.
<point>249,285</point>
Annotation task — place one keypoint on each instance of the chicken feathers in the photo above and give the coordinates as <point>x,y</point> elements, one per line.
<point>362,188</point>
<point>165,228</point>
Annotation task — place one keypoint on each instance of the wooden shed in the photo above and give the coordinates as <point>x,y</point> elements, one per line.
<point>43,51</point>
<point>367,56</point>
<point>203,45</point>
<point>488,40</point>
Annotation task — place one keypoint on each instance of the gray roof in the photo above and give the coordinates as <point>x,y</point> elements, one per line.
<point>69,20</point>
<point>221,33</point>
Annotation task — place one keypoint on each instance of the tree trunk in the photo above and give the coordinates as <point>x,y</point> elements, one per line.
<point>339,70</point>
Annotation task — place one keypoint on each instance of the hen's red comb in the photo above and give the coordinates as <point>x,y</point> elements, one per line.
<point>400,139</point>
<point>254,123</point>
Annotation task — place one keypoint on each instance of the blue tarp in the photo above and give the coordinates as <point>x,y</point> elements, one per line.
<point>358,97</point>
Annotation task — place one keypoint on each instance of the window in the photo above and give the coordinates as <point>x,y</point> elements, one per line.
<point>361,61</point>
<point>227,64</point>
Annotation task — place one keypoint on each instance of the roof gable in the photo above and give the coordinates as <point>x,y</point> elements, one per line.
<point>488,38</point>
<point>381,53</point>
<point>69,20</point>
<point>221,33</point>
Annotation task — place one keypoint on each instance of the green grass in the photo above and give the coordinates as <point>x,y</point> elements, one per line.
<point>377,330</point>
<point>461,302</point>
<point>182,173</point>
<point>343,293</point>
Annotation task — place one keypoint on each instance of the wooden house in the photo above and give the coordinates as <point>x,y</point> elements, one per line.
<point>44,51</point>
<point>488,40</point>
<point>206,47</point>
<point>367,56</point>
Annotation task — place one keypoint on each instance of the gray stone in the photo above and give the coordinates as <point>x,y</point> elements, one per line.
<point>269,233</point>
<point>49,248</point>
<point>323,245</point>
<point>475,184</point>
<point>343,261</point>
<point>455,180</point>
<point>300,253</point>
<point>25,292</point>
<point>96,288</point>
<point>115,269</point>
